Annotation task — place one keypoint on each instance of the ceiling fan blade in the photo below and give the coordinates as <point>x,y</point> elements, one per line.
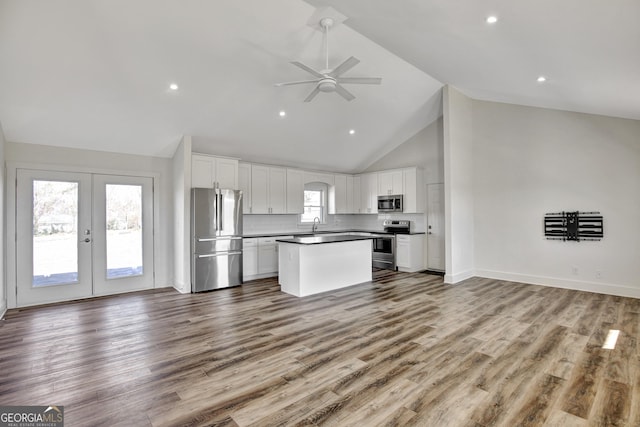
<point>360,80</point>
<point>307,69</point>
<point>344,93</point>
<point>312,94</point>
<point>348,64</point>
<point>296,83</point>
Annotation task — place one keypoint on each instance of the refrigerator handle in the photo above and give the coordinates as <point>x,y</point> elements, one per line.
<point>220,211</point>
<point>215,211</point>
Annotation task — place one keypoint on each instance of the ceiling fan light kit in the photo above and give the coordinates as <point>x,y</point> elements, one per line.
<point>330,80</point>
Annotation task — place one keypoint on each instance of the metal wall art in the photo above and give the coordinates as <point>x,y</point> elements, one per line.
<point>573,226</point>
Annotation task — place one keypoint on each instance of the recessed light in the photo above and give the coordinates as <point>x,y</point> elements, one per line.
<point>542,79</point>
<point>351,131</point>
<point>282,113</point>
<point>492,19</point>
<point>173,86</point>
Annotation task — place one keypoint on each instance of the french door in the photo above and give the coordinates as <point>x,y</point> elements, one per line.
<point>80,235</point>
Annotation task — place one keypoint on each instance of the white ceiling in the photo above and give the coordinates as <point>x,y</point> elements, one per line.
<point>94,74</point>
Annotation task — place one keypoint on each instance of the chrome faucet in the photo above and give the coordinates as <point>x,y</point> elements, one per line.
<point>314,227</point>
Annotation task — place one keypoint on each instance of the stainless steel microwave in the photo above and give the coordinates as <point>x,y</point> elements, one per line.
<point>390,203</point>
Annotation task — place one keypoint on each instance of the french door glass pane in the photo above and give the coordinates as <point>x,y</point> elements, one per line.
<point>124,230</point>
<point>55,233</point>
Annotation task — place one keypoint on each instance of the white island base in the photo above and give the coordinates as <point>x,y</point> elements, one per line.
<point>307,269</point>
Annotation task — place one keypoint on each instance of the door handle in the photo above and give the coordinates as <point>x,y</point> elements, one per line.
<point>87,240</point>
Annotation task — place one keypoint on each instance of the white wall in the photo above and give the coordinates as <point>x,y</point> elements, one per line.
<point>3,279</point>
<point>56,158</point>
<point>458,185</point>
<point>425,149</point>
<point>530,161</point>
<point>181,167</point>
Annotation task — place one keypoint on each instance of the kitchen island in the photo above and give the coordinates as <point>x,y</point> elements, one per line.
<point>314,264</point>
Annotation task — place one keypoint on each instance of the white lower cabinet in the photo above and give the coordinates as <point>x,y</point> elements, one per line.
<point>260,257</point>
<point>267,255</point>
<point>409,252</point>
<point>249,258</point>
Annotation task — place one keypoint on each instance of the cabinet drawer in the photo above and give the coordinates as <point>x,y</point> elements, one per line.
<point>250,243</point>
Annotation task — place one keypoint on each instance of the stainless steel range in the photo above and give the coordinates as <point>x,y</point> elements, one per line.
<point>384,244</point>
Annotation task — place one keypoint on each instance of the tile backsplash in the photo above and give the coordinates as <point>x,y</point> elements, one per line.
<point>254,224</point>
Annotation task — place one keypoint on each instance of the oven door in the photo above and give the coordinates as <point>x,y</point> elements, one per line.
<point>384,249</point>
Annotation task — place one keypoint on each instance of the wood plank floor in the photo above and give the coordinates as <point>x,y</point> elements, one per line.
<point>404,349</point>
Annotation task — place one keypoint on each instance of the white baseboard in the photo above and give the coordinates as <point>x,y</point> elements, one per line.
<point>180,287</point>
<point>452,279</point>
<point>600,288</point>
<point>3,308</point>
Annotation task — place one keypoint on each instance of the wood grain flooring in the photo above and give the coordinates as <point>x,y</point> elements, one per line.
<point>404,349</point>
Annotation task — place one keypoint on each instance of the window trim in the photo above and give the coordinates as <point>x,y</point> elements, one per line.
<point>324,189</point>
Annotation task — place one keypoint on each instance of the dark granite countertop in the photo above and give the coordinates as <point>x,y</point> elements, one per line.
<point>301,233</point>
<point>319,239</point>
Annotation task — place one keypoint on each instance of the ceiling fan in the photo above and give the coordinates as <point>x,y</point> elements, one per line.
<point>331,80</point>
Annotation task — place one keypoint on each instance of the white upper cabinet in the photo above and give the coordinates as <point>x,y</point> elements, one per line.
<point>268,189</point>
<point>353,195</point>
<point>369,193</point>
<point>244,184</point>
<point>278,190</point>
<point>390,182</point>
<point>210,171</point>
<point>338,198</point>
<point>295,191</point>
<point>260,189</point>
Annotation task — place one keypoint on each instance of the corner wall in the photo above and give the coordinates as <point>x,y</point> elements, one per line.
<point>458,185</point>
<point>3,245</point>
<point>181,168</point>
<point>530,161</point>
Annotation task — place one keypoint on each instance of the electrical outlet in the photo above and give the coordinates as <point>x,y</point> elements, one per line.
<point>598,274</point>
<point>574,270</point>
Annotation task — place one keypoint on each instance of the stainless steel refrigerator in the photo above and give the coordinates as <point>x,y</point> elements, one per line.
<point>216,239</point>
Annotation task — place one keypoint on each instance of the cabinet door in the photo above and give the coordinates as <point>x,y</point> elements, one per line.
<point>249,258</point>
<point>244,184</point>
<point>403,254</point>
<point>295,191</point>
<point>226,173</point>
<point>267,257</point>
<point>203,171</point>
<point>372,202</point>
<point>356,205</point>
<point>384,183</point>
<point>390,182</point>
<point>339,195</point>
<point>278,190</point>
<point>259,189</point>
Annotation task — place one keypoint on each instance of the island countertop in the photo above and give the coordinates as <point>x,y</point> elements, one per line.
<point>315,240</point>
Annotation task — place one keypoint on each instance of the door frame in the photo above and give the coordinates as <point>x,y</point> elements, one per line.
<point>11,213</point>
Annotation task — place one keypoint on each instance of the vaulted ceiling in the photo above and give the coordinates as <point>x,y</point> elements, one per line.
<point>95,74</point>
